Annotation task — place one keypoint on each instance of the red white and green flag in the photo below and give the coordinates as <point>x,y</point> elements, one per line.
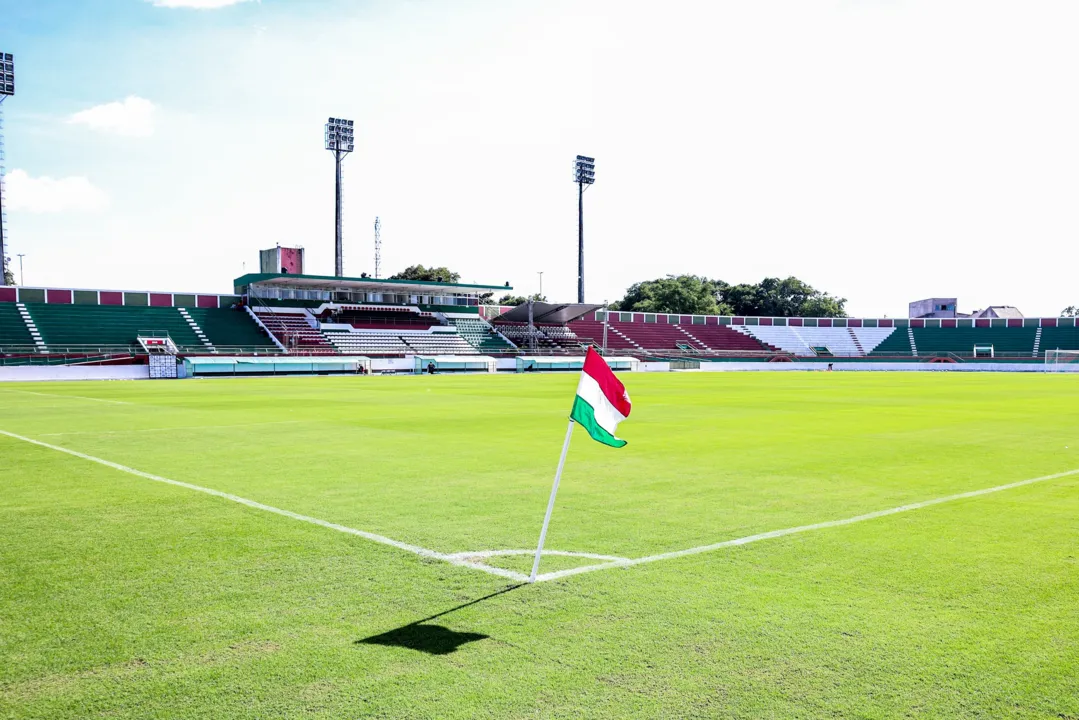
<point>602,401</point>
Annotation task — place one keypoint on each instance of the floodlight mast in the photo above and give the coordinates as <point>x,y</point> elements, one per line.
<point>7,89</point>
<point>378,247</point>
<point>340,141</point>
<point>585,174</point>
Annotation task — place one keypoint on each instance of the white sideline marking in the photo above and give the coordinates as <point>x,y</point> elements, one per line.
<point>373,537</point>
<point>75,397</point>
<point>464,559</point>
<point>180,427</point>
<point>802,528</point>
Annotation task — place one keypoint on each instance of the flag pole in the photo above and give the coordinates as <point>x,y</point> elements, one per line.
<point>550,503</point>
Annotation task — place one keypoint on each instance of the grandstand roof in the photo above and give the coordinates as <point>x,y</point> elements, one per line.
<point>548,313</point>
<point>329,282</point>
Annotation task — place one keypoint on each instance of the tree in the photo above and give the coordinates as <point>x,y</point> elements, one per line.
<point>9,277</point>
<point>682,294</point>
<point>789,297</point>
<point>1070,311</point>
<point>515,300</point>
<point>697,295</point>
<point>431,274</point>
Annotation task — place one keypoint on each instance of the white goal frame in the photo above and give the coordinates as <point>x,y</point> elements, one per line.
<point>1062,360</point>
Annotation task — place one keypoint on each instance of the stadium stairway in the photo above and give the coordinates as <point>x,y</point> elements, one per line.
<point>231,329</point>
<point>591,331</point>
<point>1058,338</point>
<point>725,338</point>
<point>294,331</point>
<point>196,329</point>
<point>14,331</point>
<point>840,342</point>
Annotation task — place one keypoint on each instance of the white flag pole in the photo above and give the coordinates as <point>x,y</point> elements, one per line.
<point>550,503</point>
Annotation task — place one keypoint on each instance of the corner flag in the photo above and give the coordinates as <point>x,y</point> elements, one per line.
<point>601,403</point>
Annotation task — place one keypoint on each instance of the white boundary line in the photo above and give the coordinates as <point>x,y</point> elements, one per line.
<point>465,559</point>
<point>373,537</point>
<point>72,397</point>
<point>804,528</point>
<point>178,427</point>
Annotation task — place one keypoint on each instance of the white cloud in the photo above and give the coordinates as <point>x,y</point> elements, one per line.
<point>197,4</point>
<point>134,117</point>
<point>51,195</point>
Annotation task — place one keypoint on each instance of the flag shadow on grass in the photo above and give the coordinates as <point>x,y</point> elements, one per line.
<point>432,639</point>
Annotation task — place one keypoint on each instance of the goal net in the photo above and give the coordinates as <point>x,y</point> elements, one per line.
<point>1062,360</point>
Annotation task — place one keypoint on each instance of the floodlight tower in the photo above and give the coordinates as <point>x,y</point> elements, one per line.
<point>585,175</point>
<point>339,141</point>
<point>378,247</point>
<point>7,89</point>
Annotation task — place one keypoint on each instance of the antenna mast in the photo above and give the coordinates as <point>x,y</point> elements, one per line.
<point>378,248</point>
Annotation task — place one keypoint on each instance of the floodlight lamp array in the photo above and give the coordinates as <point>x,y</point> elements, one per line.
<point>585,170</point>
<point>340,135</point>
<point>7,74</point>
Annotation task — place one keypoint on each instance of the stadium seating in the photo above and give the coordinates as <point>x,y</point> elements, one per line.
<point>723,338</point>
<point>591,331</point>
<point>378,318</point>
<point>367,342</point>
<point>438,343</point>
<point>13,330</point>
<point>1059,338</point>
<point>520,334</point>
<point>71,326</point>
<point>896,344</point>
<point>231,329</point>
<point>961,341</point>
<point>294,332</point>
<point>809,341</point>
<point>479,334</point>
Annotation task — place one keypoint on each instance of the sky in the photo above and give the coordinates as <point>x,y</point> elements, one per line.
<point>882,150</point>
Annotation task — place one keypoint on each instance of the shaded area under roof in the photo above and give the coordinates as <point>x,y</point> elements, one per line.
<point>547,313</point>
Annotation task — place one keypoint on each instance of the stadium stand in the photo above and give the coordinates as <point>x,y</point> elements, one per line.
<point>810,341</point>
<point>366,343</point>
<point>591,332</point>
<point>519,334</point>
<point>896,344</point>
<point>13,331</point>
<point>381,318</point>
<point>438,343</point>
<point>723,338</point>
<point>480,335</point>
<point>72,326</point>
<point>1058,338</point>
<point>1014,341</point>
<point>231,329</point>
<point>294,331</point>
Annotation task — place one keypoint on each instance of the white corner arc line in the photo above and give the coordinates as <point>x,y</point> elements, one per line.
<point>373,537</point>
<point>803,528</point>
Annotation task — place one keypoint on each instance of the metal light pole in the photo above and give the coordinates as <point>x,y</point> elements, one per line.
<point>7,89</point>
<point>606,316</point>
<point>540,273</point>
<point>585,175</point>
<point>339,141</point>
<point>22,278</point>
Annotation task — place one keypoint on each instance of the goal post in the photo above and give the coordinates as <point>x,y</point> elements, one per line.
<point>1062,360</point>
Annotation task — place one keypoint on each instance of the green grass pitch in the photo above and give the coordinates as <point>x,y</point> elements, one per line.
<point>121,597</point>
